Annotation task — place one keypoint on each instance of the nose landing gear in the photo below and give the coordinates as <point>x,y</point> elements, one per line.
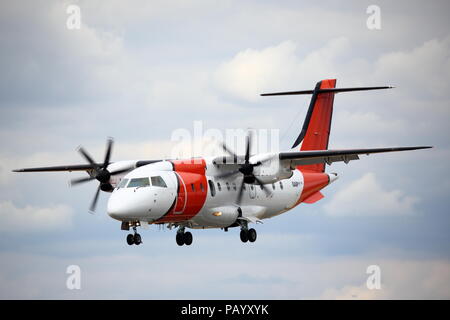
<point>183,237</point>
<point>134,238</point>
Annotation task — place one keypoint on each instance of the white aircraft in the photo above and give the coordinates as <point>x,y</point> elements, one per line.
<point>226,191</point>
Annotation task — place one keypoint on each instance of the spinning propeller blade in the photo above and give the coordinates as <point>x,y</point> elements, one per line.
<point>246,169</point>
<point>100,173</point>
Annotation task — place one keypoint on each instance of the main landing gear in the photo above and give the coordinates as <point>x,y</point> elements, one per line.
<point>183,237</point>
<point>134,238</point>
<point>247,234</point>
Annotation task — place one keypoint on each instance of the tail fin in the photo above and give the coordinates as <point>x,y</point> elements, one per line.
<point>316,128</point>
<point>317,124</point>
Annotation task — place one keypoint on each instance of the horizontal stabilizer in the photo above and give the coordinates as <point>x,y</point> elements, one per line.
<point>327,90</point>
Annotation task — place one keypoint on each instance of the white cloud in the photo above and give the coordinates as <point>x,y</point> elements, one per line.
<point>31,218</point>
<point>366,196</point>
<point>283,67</point>
<point>400,279</point>
<point>252,72</point>
<point>214,274</point>
<point>423,69</point>
<point>352,293</point>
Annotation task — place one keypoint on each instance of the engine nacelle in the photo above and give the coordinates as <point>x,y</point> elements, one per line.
<point>120,165</point>
<point>272,170</point>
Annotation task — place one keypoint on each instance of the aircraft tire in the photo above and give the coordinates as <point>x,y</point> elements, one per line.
<point>180,239</point>
<point>137,239</point>
<point>188,238</point>
<point>252,235</point>
<point>244,236</point>
<point>130,239</point>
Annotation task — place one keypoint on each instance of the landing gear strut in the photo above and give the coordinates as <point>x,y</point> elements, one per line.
<point>247,234</point>
<point>183,237</point>
<point>134,238</point>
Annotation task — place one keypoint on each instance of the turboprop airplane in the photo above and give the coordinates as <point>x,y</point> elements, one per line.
<point>224,191</point>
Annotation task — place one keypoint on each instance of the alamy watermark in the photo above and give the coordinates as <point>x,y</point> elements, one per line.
<point>208,142</point>
<point>73,281</point>
<point>73,21</point>
<point>374,280</point>
<point>373,22</point>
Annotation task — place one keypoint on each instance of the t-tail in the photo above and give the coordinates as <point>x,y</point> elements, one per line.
<point>315,133</point>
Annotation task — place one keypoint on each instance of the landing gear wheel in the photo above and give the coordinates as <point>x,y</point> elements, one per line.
<point>137,239</point>
<point>180,239</point>
<point>244,235</point>
<point>251,235</point>
<point>187,238</point>
<point>130,239</point>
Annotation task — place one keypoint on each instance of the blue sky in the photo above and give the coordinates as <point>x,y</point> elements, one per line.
<point>139,70</point>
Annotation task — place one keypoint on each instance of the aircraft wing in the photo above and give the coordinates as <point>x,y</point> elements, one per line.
<point>330,156</point>
<point>77,167</point>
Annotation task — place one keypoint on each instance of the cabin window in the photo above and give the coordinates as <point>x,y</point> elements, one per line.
<point>212,188</point>
<point>228,186</point>
<point>261,186</point>
<point>158,182</point>
<point>219,186</point>
<point>192,187</point>
<point>139,182</point>
<point>122,183</point>
<point>273,186</point>
<point>281,185</point>
<point>201,187</point>
<point>234,186</point>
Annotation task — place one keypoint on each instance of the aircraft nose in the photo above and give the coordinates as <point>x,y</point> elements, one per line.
<point>116,208</point>
<point>129,204</point>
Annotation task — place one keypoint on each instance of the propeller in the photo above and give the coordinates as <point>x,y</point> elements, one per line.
<point>101,173</point>
<point>246,168</point>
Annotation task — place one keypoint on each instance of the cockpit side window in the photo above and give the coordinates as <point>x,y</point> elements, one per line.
<point>158,182</point>
<point>122,183</point>
<point>139,182</point>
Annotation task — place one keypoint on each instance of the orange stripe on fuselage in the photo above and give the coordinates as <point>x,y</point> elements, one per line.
<point>192,173</point>
<point>312,182</point>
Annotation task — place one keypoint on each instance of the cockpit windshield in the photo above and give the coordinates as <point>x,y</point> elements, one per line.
<point>139,182</point>
<point>122,183</point>
<point>158,182</point>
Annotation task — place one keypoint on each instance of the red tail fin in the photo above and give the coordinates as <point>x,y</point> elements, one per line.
<point>318,130</point>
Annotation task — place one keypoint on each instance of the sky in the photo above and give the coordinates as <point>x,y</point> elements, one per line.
<point>139,71</point>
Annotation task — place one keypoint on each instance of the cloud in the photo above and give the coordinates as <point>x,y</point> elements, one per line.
<point>251,72</point>
<point>352,293</point>
<point>366,196</point>
<point>34,219</point>
<point>213,274</point>
<point>400,279</point>
<point>424,70</point>
<point>74,64</point>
